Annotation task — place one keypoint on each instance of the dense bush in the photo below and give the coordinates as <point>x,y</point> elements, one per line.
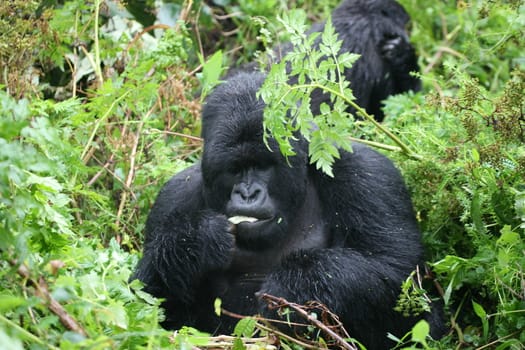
<point>97,110</point>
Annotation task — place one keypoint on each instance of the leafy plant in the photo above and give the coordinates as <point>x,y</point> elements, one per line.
<point>314,65</point>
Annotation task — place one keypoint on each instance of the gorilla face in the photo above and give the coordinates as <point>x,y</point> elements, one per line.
<point>246,180</point>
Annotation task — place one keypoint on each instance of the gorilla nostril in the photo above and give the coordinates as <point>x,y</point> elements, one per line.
<point>254,196</point>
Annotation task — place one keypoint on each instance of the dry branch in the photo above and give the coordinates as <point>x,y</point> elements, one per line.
<point>327,317</point>
<point>42,291</point>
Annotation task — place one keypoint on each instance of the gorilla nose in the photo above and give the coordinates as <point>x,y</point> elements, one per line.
<point>247,194</point>
<point>249,200</point>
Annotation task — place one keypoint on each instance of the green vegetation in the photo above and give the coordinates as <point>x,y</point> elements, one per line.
<point>98,111</point>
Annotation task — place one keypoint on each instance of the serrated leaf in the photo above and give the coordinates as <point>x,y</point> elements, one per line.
<point>508,237</point>
<point>348,59</point>
<point>476,213</point>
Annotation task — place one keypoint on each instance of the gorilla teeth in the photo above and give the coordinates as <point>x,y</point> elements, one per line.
<point>239,218</point>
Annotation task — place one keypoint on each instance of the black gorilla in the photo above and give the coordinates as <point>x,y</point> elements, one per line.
<point>347,241</point>
<point>375,29</point>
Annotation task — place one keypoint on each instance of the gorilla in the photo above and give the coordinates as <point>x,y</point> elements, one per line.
<point>375,29</point>
<point>245,220</point>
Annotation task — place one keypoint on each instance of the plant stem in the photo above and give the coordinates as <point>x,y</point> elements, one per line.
<point>360,111</point>
<point>97,125</point>
<point>26,333</point>
<point>98,70</point>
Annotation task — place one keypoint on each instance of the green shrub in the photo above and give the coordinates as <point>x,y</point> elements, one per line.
<point>95,115</point>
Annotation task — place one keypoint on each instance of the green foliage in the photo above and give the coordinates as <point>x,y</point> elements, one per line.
<point>71,187</point>
<point>188,338</point>
<point>316,63</point>
<point>22,28</point>
<point>37,187</point>
<point>417,338</point>
<point>33,181</point>
<point>95,116</point>
<point>413,300</point>
<point>288,105</point>
<point>245,327</point>
<point>468,190</point>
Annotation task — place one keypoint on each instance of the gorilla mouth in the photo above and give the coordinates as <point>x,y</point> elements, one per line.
<point>253,233</point>
<point>241,218</point>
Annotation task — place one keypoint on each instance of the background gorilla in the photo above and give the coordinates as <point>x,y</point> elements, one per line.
<point>375,29</point>
<point>347,241</point>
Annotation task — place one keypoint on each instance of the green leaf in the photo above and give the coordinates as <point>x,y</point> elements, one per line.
<point>420,332</point>
<point>217,304</point>
<point>480,312</point>
<point>191,336</point>
<point>118,314</point>
<point>245,327</point>
<point>211,72</point>
<point>508,237</point>
<point>476,213</point>
<point>238,344</point>
<point>478,309</point>
<point>9,302</point>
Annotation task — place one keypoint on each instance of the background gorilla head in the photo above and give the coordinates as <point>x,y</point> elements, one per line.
<point>242,176</point>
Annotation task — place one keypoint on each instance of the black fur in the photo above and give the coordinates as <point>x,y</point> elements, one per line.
<point>347,241</point>
<point>376,30</point>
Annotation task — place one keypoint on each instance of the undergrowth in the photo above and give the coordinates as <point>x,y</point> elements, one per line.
<point>98,110</point>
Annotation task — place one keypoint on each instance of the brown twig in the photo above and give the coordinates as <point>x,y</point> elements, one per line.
<point>430,275</point>
<point>173,133</point>
<point>286,336</point>
<point>272,329</point>
<point>184,13</point>
<point>131,172</point>
<point>488,345</point>
<point>259,318</point>
<point>275,302</point>
<point>144,31</point>
<point>226,342</point>
<point>101,171</point>
<point>42,291</point>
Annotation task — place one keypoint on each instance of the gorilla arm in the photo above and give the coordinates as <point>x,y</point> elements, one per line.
<point>361,290</point>
<point>183,241</point>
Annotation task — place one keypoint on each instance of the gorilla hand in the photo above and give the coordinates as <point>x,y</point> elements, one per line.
<point>184,248</point>
<point>215,241</point>
<point>401,60</point>
<point>394,48</point>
